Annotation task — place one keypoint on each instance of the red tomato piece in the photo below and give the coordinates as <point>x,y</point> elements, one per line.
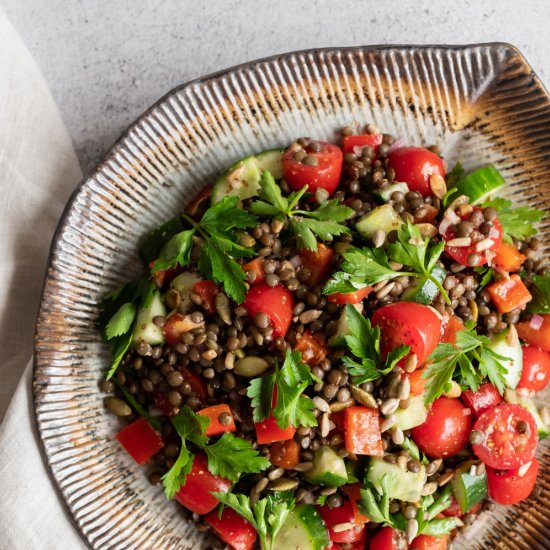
<point>535,374</point>
<point>446,429</point>
<point>140,440</point>
<point>508,258</point>
<point>162,277</point>
<point>318,262</point>
<point>460,254</point>
<point>341,514</point>
<point>196,495</point>
<point>285,454</point>
<point>486,397</point>
<point>410,324</point>
<point>175,326</point>
<point>276,302</point>
<point>451,326</point>
<point>534,334</point>
<point>418,384</point>
<point>353,492</point>
<point>312,349</point>
<point>362,431</point>
<point>324,175</point>
<point>206,290</point>
<point>385,539</point>
<point>232,529</point>
<point>352,144</point>
<point>213,413</point>
<point>257,266</point>
<point>455,511</point>
<point>428,542</point>
<point>509,294</point>
<point>268,431</point>
<point>512,486</point>
<point>199,201</point>
<point>415,165</point>
<point>350,297</point>
<point>196,382</point>
<point>510,437</point>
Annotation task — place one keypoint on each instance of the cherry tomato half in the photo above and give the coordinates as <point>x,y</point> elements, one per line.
<point>512,486</point>
<point>341,514</point>
<point>313,350</point>
<point>232,529</point>
<point>324,174</point>
<point>276,302</point>
<point>415,165</point>
<point>510,437</point>
<point>535,374</point>
<point>350,297</point>
<point>352,144</point>
<point>385,539</point>
<point>534,334</point>
<point>428,542</point>
<point>410,324</point>
<point>446,429</point>
<point>486,397</point>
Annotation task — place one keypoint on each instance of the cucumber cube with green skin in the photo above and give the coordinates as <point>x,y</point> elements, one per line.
<point>512,351</point>
<point>424,291</point>
<point>479,185</point>
<point>468,489</point>
<point>414,415</point>
<point>405,486</point>
<point>145,330</point>
<point>383,217</point>
<point>385,193</point>
<point>328,468</point>
<point>303,528</point>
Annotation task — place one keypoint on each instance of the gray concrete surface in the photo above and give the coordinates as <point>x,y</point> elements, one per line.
<point>107,60</point>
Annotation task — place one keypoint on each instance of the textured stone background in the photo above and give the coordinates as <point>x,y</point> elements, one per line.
<point>107,60</point>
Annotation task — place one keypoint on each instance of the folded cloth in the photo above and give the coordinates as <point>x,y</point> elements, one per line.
<point>38,171</point>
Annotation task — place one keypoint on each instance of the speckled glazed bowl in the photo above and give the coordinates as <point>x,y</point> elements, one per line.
<point>479,103</point>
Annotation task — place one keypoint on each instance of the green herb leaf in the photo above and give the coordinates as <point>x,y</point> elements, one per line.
<point>152,244</point>
<point>175,477</point>
<point>541,294</point>
<point>332,210</point>
<point>119,347</point>
<point>260,391</point>
<point>271,193</point>
<point>487,275</point>
<point>454,176</point>
<point>175,252</point>
<point>121,322</point>
<point>232,456</point>
<point>191,426</point>
<point>305,239</point>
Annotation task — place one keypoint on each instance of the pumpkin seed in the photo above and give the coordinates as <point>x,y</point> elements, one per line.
<point>222,307</point>
<point>363,397</point>
<point>251,366</point>
<point>283,484</point>
<point>118,406</point>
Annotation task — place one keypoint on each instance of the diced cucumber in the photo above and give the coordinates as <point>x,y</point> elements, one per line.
<point>467,489</point>
<point>184,284</point>
<point>328,468</point>
<point>145,329</point>
<point>386,193</point>
<point>243,177</point>
<point>422,291</point>
<point>407,485</point>
<point>383,217</point>
<point>342,329</point>
<point>510,396</point>
<point>414,415</point>
<point>303,528</point>
<point>512,351</point>
<point>479,185</point>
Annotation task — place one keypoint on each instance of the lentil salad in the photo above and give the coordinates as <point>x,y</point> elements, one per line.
<point>328,343</point>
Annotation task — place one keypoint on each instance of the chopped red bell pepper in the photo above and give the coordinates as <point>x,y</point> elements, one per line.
<point>508,258</point>
<point>350,143</point>
<point>509,294</point>
<point>312,349</point>
<point>216,427</point>
<point>196,494</point>
<point>267,431</point>
<point>257,266</point>
<point>362,431</point>
<point>418,384</point>
<point>285,454</point>
<point>451,326</point>
<point>232,529</point>
<point>536,333</point>
<point>486,397</point>
<point>318,263</point>
<point>140,440</point>
<point>336,516</point>
<point>206,291</point>
<point>350,297</point>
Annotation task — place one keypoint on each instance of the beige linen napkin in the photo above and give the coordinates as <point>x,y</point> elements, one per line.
<point>38,171</point>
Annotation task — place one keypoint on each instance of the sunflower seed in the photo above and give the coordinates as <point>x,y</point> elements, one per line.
<point>303,467</point>
<point>275,474</point>
<point>443,479</point>
<point>389,406</point>
<point>325,425</point>
<point>397,436</point>
<point>411,530</point>
<point>459,242</point>
<point>339,527</point>
<point>438,186</point>
<point>429,488</point>
<point>411,362</point>
<point>321,404</point>
<point>388,422</point>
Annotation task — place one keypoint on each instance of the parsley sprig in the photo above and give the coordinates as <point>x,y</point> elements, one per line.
<point>228,457</point>
<point>288,383</point>
<point>364,267</point>
<point>267,515</point>
<point>541,294</point>
<point>323,222</point>
<point>471,356</point>
<point>364,343</point>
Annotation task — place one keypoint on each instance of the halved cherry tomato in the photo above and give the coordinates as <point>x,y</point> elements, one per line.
<point>461,254</point>
<point>268,431</point>
<point>385,539</point>
<point>196,382</point>
<point>206,290</point>
<point>534,334</point>
<point>486,397</point>
<point>213,413</point>
<point>353,491</point>
<point>455,511</point>
<point>510,437</point>
<point>451,326</point>
<point>362,431</point>
<point>508,258</point>
<point>318,263</point>
<point>276,302</point>
<point>257,266</point>
<point>428,542</point>
<point>512,486</point>
<point>535,374</point>
<point>162,277</point>
<point>410,324</point>
<point>232,529</point>
<point>285,454</point>
<point>509,294</point>
<point>341,514</point>
<point>196,494</point>
<point>312,349</point>
<point>350,297</point>
<point>357,545</point>
<point>446,429</point>
<point>176,325</point>
<point>418,384</point>
<point>415,165</point>
<point>140,440</point>
<point>352,144</point>
<point>325,174</point>
<point>198,202</point>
